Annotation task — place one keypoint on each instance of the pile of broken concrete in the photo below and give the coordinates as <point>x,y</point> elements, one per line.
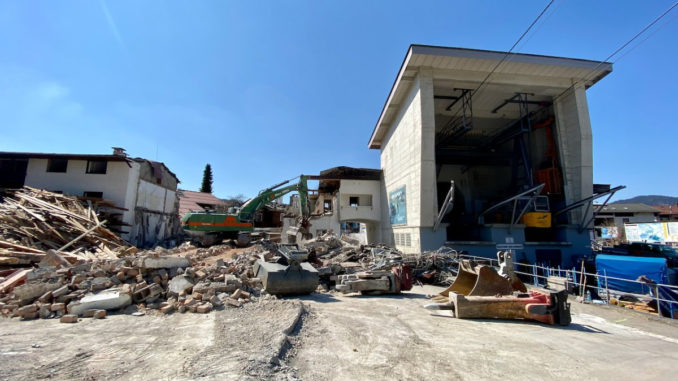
<point>152,281</point>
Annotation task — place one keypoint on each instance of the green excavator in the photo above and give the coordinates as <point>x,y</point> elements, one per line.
<point>208,228</point>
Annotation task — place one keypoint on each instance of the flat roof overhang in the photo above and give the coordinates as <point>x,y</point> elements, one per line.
<point>472,65</point>
<point>69,156</point>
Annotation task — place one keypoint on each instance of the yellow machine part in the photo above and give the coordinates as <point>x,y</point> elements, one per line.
<point>537,219</point>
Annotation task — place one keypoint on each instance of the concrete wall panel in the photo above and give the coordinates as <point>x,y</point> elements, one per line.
<point>75,181</point>
<point>575,141</point>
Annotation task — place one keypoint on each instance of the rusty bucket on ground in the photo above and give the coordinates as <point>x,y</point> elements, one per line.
<point>481,280</point>
<point>479,291</point>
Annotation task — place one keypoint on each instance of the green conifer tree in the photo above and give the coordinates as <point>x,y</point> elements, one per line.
<point>207,180</point>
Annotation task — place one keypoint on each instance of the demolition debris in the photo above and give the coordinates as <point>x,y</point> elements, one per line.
<point>349,265</point>
<point>158,280</point>
<point>78,268</point>
<point>34,221</point>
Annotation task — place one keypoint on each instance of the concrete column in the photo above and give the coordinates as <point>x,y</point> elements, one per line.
<point>373,232</point>
<point>428,200</point>
<point>575,143</point>
<point>428,239</point>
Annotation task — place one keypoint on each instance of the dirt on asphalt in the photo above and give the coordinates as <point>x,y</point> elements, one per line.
<point>232,344</point>
<point>327,336</point>
<point>393,337</point>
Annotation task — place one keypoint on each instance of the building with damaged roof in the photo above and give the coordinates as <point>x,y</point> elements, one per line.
<point>138,195</point>
<point>346,199</point>
<point>198,201</point>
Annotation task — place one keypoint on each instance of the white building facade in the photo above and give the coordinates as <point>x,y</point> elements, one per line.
<point>346,197</point>
<point>143,192</point>
<point>496,124</point>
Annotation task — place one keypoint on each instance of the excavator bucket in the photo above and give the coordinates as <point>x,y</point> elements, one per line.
<point>288,276</point>
<point>551,308</point>
<point>481,280</point>
<point>481,292</point>
<point>489,283</point>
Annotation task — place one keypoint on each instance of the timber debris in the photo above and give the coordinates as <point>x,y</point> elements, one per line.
<point>33,221</point>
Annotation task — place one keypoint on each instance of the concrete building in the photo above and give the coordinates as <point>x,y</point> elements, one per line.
<point>620,214</point>
<point>611,221</point>
<point>143,192</point>
<point>345,197</point>
<point>497,125</point>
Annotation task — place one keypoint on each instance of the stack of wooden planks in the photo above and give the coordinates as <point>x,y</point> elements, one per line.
<point>33,221</point>
<point>637,305</point>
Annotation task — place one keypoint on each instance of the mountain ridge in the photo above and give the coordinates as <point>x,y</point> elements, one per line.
<point>652,200</point>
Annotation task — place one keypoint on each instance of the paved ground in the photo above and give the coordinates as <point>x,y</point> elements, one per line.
<point>341,337</point>
<point>394,337</point>
<point>232,344</point>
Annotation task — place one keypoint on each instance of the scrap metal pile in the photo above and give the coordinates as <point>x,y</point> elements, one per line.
<point>33,221</point>
<point>377,268</point>
<point>154,280</point>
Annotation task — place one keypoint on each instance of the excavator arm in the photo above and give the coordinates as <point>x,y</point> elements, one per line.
<point>208,228</point>
<point>269,194</point>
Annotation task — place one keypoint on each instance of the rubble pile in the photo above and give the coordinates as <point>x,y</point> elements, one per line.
<point>338,256</point>
<point>152,280</point>
<point>33,221</point>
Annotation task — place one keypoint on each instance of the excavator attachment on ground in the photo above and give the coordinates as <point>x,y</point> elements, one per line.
<point>479,291</point>
<point>290,274</point>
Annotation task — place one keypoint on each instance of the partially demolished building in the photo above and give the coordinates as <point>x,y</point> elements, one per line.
<point>138,195</point>
<point>500,141</point>
<point>345,195</point>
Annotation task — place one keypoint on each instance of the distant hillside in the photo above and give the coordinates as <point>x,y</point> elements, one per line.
<point>650,200</point>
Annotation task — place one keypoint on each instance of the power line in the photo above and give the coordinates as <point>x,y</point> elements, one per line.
<point>513,47</point>
<point>534,32</point>
<point>648,26</point>
<point>642,31</point>
<point>646,38</point>
<point>477,89</point>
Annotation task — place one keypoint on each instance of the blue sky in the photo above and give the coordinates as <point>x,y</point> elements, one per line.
<point>264,91</point>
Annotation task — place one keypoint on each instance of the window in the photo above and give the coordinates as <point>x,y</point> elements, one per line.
<point>327,206</point>
<point>403,239</point>
<point>96,166</point>
<point>93,194</point>
<point>57,165</point>
<point>353,201</point>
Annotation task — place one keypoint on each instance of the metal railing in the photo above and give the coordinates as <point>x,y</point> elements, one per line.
<point>583,281</point>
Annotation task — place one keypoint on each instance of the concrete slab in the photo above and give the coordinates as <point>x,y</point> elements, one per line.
<point>31,291</point>
<point>180,283</point>
<point>163,262</point>
<point>104,300</point>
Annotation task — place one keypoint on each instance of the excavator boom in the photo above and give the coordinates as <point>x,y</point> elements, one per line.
<point>208,228</point>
